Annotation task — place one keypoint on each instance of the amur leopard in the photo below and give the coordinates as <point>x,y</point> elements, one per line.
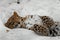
<point>42,25</point>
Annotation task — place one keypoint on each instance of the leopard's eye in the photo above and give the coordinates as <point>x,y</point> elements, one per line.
<point>18,22</point>
<point>12,23</point>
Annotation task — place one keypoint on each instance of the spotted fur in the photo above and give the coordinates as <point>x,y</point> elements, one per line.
<point>55,29</point>
<point>40,29</point>
<point>47,21</point>
<point>42,25</point>
<point>14,21</point>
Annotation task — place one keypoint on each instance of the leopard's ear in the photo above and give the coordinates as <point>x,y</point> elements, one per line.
<point>15,13</point>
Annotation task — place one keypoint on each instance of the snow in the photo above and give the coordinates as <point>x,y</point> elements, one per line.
<point>23,34</point>
<point>2,27</point>
<point>27,7</point>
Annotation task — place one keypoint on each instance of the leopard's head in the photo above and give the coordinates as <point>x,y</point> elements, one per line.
<point>13,21</point>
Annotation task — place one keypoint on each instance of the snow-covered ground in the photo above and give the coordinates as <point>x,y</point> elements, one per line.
<point>23,34</point>
<point>27,7</point>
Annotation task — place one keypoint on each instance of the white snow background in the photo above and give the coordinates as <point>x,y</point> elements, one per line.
<point>27,7</point>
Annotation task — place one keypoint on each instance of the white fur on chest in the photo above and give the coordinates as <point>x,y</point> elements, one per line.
<point>34,20</point>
